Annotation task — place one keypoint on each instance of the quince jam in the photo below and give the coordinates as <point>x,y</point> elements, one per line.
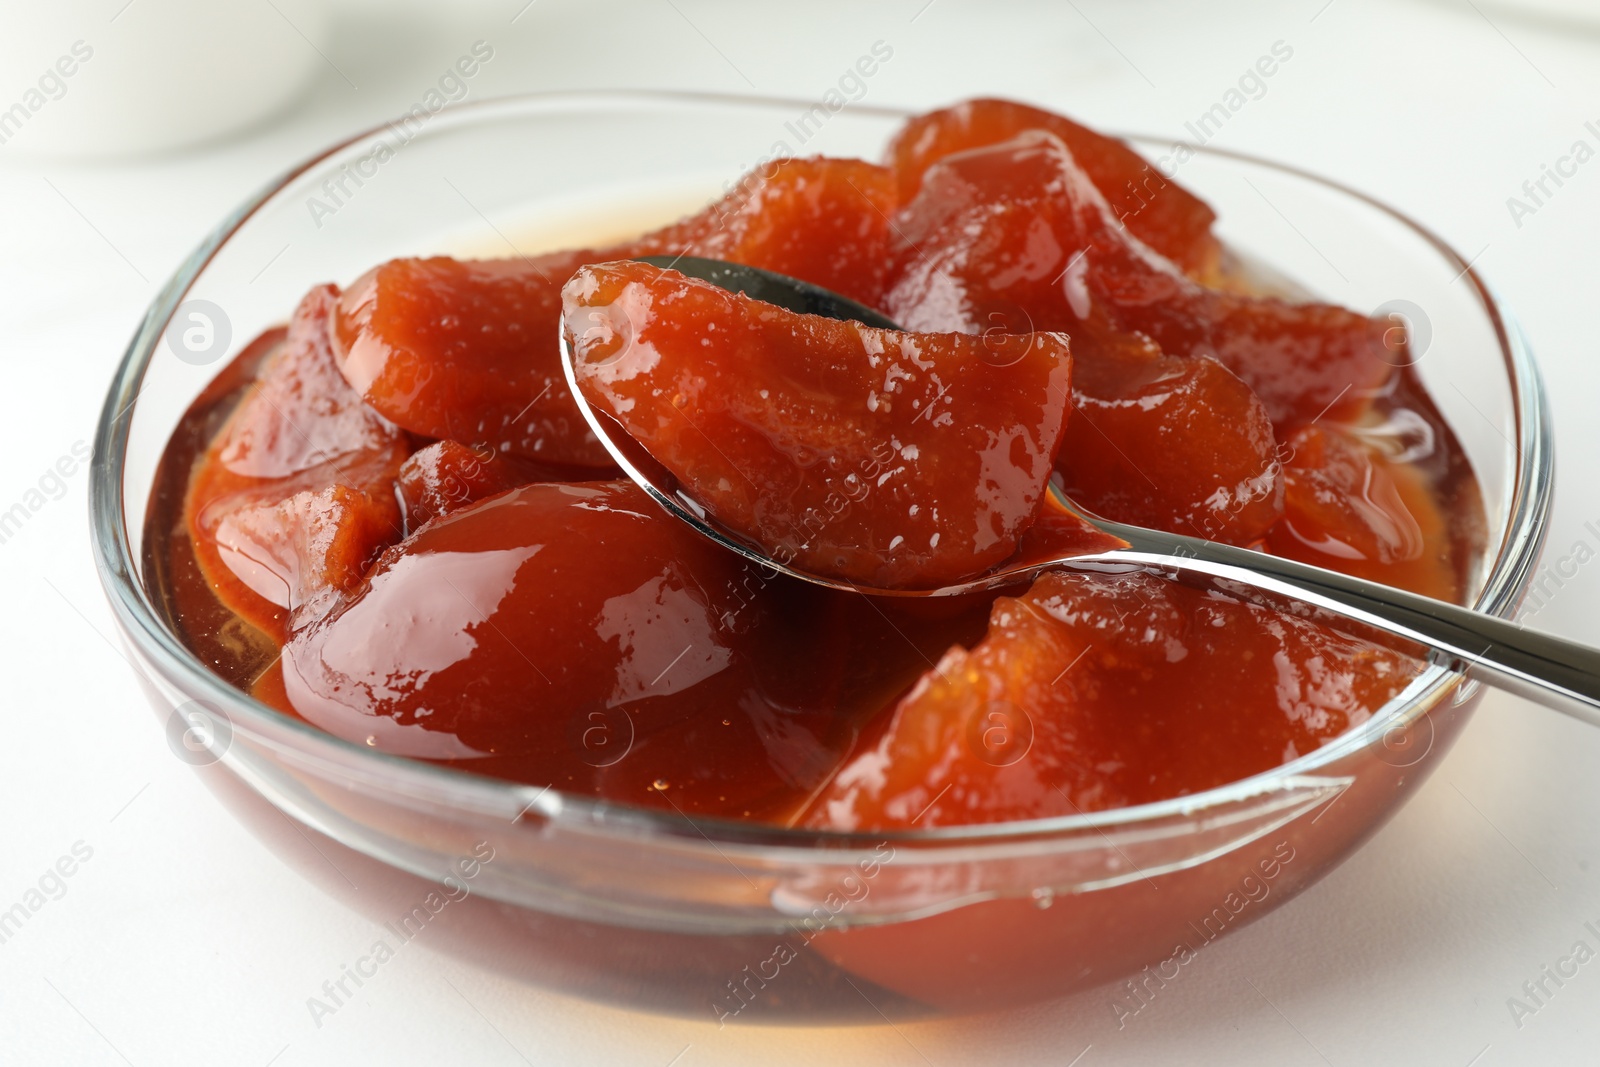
<point>389,518</point>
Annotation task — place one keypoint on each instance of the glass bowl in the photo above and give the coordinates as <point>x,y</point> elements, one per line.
<point>740,922</point>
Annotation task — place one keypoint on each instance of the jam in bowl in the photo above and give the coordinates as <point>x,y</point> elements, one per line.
<point>376,554</point>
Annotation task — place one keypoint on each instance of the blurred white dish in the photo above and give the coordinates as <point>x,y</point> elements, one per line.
<point>120,77</point>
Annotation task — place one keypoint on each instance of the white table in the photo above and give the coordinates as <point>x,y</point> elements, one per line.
<point>182,940</point>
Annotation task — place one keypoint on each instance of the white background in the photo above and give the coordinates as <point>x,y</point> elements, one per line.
<point>183,940</point>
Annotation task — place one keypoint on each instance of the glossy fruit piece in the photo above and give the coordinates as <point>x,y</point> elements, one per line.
<point>822,220</point>
<point>1158,211</point>
<point>466,350</point>
<point>884,458</point>
<point>1093,692</point>
<point>295,493</point>
<point>447,476</point>
<point>1015,237</point>
<point>561,635</point>
<point>1175,444</point>
<point>759,742</point>
<point>301,414</point>
<point>1347,508</point>
<point>316,543</point>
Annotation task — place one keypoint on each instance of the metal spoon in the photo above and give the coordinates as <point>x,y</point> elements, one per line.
<point>1550,670</point>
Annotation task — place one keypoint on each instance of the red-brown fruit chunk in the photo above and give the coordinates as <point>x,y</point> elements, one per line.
<point>295,494</point>
<point>448,475</point>
<point>574,636</point>
<point>1016,237</point>
<point>305,547</point>
<point>884,458</point>
<point>466,350</point>
<point>301,414</point>
<point>1348,508</point>
<point>1093,692</point>
<point>1161,213</point>
<point>822,220</point>
<point>1175,444</point>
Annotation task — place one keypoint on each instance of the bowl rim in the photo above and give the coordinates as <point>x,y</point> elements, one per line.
<point>1508,572</point>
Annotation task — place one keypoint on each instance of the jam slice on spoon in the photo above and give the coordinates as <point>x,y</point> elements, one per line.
<point>887,458</point>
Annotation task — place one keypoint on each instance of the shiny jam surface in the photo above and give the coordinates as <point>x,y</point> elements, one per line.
<point>885,458</point>
<point>390,520</point>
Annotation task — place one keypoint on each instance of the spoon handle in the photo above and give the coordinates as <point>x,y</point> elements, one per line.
<point>1550,670</point>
